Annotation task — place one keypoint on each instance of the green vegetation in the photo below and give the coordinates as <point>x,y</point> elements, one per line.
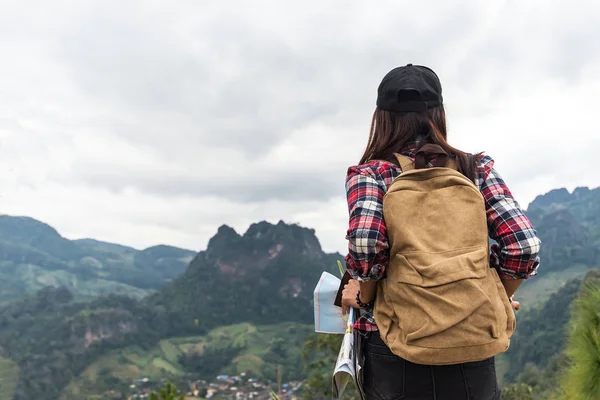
<point>52,338</point>
<point>581,380</point>
<point>320,355</point>
<point>9,376</point>
<point>33,256</point>
<point>534,292</point>
<point>169,392</point>
<point>572,371</point>
<point>541,332</point>
<point>518,391</point>
<point>231,350</point>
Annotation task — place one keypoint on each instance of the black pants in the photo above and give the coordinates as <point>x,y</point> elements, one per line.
<point>389,377</point>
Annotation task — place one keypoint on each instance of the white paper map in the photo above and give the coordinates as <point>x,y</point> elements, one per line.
<point>344,370</point>
<point>328,317</point>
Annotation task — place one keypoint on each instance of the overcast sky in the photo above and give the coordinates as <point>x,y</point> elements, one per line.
<point>146,122</point>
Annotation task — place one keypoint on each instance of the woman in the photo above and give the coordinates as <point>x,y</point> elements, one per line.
<point>410,114</point>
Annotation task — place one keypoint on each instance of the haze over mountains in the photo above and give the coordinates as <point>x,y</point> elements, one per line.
<point>34,255</point>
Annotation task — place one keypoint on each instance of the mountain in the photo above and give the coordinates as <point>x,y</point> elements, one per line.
<point>264,276</point>
<point>33,255</point>
<point>569,226</point>
<point>568,223</point>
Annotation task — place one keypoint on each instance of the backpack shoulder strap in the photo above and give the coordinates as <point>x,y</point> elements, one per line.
<point>406,164</point>
<point>452,164</point>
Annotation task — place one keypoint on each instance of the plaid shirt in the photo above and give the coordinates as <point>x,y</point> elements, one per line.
<point>515,255</point>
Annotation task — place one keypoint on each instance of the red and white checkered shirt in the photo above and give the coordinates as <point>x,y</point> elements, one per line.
<point>516,252</point>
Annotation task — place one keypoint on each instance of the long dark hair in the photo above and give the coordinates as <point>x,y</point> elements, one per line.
<point>391,132</point>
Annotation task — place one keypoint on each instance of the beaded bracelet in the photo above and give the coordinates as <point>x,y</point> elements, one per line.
<point>366,306</point>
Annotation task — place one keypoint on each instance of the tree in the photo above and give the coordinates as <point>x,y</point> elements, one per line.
<point>530,376</point>
<point>169,392</point>
<point>581,379</point>
<point>212,359</point>
<point>320,354</point>
<point>519,391</point>
<point>533,384</point>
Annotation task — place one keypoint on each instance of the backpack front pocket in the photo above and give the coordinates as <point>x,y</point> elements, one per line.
<point>445,303</point>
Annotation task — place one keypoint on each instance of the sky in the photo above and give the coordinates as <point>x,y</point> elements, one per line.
<point>147,122</point>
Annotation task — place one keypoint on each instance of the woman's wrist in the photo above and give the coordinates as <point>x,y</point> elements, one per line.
<point>366,306</point>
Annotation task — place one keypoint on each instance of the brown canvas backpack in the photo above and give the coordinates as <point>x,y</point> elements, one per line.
<point>440,302</point>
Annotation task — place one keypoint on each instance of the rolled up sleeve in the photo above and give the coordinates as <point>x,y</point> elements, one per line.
<point>368,248</point>
<point>517,252</point>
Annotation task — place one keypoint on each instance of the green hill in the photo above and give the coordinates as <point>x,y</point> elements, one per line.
<point>33,255</point>
<point>229,350</point>
<point>569,226</point>
<point>541,332</point>
<point>538,358</point>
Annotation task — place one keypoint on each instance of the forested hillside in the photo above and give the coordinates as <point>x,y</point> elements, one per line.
<point>265,276</point>
<point>34,255</point>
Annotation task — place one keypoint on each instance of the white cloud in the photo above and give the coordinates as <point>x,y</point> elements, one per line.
<point>147,122</point>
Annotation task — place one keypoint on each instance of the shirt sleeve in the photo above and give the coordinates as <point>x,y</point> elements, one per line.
<point>368,248</point>
<point>516,254</point>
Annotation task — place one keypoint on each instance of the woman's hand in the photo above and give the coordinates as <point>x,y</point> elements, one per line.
<point>515,304</point>
<point>349,296</point>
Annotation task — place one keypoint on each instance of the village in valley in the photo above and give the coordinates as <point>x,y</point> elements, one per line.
<point>239,387</point>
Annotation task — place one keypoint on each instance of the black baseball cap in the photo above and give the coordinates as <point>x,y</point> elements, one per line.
<point>410,88</point>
